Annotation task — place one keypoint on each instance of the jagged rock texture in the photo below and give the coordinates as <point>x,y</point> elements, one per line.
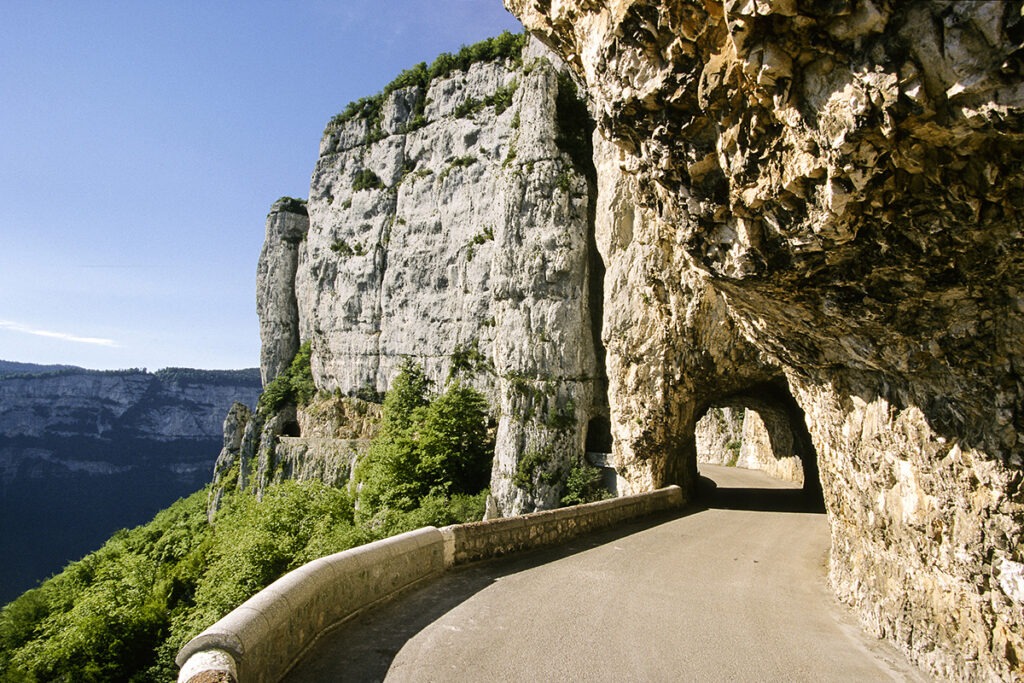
<point>829,194</point>
<point>750,435</point>
<point>320,441</point>
<point>465,241</point>
<point>287,225</point>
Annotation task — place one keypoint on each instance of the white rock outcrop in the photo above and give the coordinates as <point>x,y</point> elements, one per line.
<point>461,237</point>
<point>287,224</point>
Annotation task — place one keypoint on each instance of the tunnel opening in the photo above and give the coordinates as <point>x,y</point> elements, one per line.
<point>291,428</point>
<point>598,450</point>
<point>760,429</point>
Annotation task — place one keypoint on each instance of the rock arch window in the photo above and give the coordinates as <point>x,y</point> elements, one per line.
<point>598,448</point>
<point>760,428</point>
<point>599,435</point>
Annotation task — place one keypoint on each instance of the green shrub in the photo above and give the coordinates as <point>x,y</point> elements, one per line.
<point>510,156</point>
<point>734,448</point>
<point>105,617</point>
<point>564,181</point>
<point>345,250</point>
<point>293,205</point>
<point>534,467</point>
<point>122,612</point>
<point>459,162</point>
<point>455,447</point>
<point>366,180</point>
<point>293,386</point>
<point>468,358</point>
<point>561,417</point>
<point>426,446</point>
<point>505,46</point>
<point>584,485</point>
<point>501,100</point>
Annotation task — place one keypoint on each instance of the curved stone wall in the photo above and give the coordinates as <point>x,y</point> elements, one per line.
<point>262,638</point>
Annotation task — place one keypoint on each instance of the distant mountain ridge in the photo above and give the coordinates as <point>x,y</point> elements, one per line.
<point>10,367</point>
<point>34,370</point>
<point>86,452</point>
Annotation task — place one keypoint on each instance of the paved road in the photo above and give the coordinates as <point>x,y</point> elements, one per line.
<point>734,592</point>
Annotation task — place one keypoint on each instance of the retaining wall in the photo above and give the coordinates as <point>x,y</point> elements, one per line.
<point>265,635</point>
<point>260,640</point>
<point>495,537</point>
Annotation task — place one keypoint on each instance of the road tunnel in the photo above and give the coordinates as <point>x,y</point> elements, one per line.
<point>759,428</point>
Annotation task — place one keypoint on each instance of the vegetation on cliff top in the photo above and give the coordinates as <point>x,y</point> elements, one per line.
<point>505,46</point>
<point>292,205</point>
<point>122,612</point>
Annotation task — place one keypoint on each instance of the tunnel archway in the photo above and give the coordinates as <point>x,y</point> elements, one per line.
<point>760,427</point>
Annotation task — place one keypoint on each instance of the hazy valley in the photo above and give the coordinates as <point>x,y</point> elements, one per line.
<point>84,453</point>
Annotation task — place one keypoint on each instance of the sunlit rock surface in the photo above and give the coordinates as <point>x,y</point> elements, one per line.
<point>457,231</point>
<point>827,195</point>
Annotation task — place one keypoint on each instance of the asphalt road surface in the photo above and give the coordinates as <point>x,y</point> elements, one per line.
<point>733,591</point>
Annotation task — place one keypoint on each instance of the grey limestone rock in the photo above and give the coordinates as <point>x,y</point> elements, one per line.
<point>827,196</point>
<point>287,224</point>
<point>466,243</point>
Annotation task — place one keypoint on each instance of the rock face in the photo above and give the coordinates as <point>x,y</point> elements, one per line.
<point>456,228</point>
<point>827,197</point>
<point>757,437</point>
<point>85,453</point>
<point>287,224</point>
<point>320,441</point>
<point>162,406</point>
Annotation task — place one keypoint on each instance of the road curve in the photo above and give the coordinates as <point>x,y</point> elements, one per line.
<point>733,592</point>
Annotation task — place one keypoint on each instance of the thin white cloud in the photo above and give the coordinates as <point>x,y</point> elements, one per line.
<point>63,336</point>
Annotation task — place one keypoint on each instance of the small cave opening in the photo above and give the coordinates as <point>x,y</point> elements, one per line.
<point>599,435</point>
<point>291,428</point>
<point>598,449</point>
<point>754,452</point>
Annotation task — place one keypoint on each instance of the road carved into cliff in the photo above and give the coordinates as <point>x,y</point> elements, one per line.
<point>733,591</point>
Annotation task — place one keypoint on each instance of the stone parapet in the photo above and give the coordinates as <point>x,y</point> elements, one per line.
<point>264,636</point>
<point>261,639</point>
<point>496,537</point>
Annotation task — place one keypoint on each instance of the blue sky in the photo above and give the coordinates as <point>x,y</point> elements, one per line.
<point>142,143</point>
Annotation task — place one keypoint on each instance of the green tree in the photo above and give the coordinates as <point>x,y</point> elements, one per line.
<point>122,612</point>
<point>425,447</point>
<point>409,392</point>
<point>456,450</point>
<point>584,485</point>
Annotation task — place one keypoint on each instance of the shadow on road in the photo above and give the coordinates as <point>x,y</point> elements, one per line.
<point>364,647</point>
<point>710,495</point>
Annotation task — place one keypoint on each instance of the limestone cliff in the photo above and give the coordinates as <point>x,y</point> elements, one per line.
<point>827,197</point>
<point>452,222</point>
<point>287,225</point>
<point>755,436</point>
<point>169,404</point>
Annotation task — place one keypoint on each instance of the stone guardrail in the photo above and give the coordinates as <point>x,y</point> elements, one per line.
<point>261,639</point>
